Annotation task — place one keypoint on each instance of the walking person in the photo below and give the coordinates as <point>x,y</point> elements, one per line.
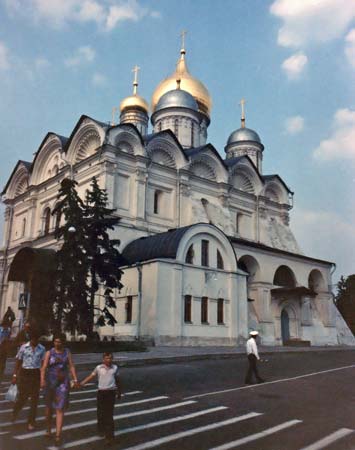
<point>108,388</point>
<point>4,350</point>
<point>9,318</point>
<point>24,335</point>
<point>55,380</point>
<point>27,376</point>
<point>253,357</point>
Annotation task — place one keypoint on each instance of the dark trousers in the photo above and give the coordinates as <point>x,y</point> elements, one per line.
<point>3,357</point>
<point>105,407</point>
<point>252,369</point>
<point>28,387</point>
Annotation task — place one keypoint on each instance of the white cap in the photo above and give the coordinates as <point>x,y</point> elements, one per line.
<point>253,333</point>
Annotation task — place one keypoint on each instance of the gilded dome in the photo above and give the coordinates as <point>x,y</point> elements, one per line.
<point>134,101</point>
<point>188,83</point>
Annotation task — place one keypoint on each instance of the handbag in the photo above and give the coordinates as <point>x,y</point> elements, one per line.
<point>11,394</point>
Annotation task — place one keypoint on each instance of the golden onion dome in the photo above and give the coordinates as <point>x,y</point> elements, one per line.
<point>188,83</point>
<point>134,100</point>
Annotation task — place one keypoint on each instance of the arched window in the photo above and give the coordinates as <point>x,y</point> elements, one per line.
<point>157,198</point>
<point>204,253</point>
<point>23,232</point>
<point>238,222</point>
<point>190,255</point>
<point>220,263</point>
<point>46,221</point>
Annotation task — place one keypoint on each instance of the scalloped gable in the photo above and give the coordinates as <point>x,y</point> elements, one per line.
<point>169,136</point>
<point>24,165</point>
<point>77,126</point>
<point>101,129</point>
<point>267,178</point>
<point>230,163</point>
<point>125,126</point>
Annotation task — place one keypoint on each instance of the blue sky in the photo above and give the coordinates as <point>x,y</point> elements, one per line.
<point>292,60</point>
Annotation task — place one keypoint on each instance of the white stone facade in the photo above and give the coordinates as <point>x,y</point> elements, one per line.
<point>260,278</point>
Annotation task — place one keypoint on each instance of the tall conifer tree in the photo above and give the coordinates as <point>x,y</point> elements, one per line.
<point>71,310</point>
<point>104,258</point>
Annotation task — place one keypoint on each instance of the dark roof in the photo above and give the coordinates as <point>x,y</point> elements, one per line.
<point>190,152</point>
<point>270,177</point>
<point>229,162</point>
<point>63,141</point>
<point>276,250</point>
<point>128,125</point>
<point>19,162</point>
<point>82,118</point>
<point>28,261</point>
<point>162,245</point>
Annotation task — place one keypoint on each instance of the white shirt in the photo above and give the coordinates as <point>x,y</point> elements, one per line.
<point>252,347</point>
<point>106,376</point>
<point>31,357</point>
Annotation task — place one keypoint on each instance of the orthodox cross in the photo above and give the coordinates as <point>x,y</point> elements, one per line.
<point>135,81</point>
<point>242,104</point>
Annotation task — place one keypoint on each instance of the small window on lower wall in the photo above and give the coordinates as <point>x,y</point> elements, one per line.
<point>129,309</point>
<point>220,311</point>
<point>187,308</point>
<point>204,310</point>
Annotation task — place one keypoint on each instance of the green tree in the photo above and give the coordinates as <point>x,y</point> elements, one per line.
<point>104,259</point>
<point>345,300</point>
<point>71,287</point>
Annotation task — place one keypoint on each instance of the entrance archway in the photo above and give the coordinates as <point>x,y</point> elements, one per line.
<point>285,326</point>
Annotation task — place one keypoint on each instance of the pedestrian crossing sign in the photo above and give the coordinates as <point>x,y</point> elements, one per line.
<point>22,301</point>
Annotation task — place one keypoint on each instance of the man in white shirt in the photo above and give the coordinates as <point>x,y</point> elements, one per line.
<point>253,357</point>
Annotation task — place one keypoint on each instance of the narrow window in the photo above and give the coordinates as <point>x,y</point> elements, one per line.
<point>220,263</point>
<point>23,227</point>
<point>238,221</point>
<point>47,221</point>
<point>220,311</point>
<point>204,253</point>
<point>129,309</point>
<point>192,134</point>
<point>159,126</point>
<point>176,127</point>
<point>204,310</point>
<point>190,255</point>
<point>187,308</point>
<point>58,218</point>
<point>157,195</point>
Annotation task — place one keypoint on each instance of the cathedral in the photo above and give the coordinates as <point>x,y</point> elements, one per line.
<point>208,250</point>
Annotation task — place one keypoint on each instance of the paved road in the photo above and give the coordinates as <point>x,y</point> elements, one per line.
<point>308,403</point>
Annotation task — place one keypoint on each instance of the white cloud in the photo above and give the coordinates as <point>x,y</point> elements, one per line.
<point>312,21</point>
<point>98,79</point>
<point>341,143</point>
<point>350,47</point>
<point>319,232</point>
<point>107,14</point>
<point>4,57</point>
<point>83,55</point>
<point>294,65</point>
<point>294,125</point>
<point>41,63</point>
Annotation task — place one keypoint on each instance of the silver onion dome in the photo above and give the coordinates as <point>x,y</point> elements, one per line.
<point>243,134</point>
<point>177,98</point>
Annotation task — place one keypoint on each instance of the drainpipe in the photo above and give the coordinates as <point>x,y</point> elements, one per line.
<point>6,250</point>
<point>139,268</point>
<point>257,220</point>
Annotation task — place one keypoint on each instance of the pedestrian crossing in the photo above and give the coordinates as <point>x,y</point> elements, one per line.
<point>146,421</point>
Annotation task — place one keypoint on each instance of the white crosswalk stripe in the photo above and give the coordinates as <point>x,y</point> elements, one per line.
<point>41,405</point>
<point>144,427</point>
<point>81,434</point>
<point>182,434</point>
<point>330,439</point>
<point>255,436</point>
<point>116,417</point>
<point>82,411</point>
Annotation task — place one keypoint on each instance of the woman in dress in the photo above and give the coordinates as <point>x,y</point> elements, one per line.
<point>55,372</point>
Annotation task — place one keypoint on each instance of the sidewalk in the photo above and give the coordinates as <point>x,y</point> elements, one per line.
<point>170,354</point>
